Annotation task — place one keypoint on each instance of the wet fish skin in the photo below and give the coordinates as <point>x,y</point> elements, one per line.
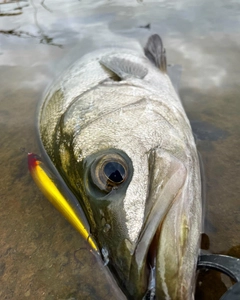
<point>115,106</point>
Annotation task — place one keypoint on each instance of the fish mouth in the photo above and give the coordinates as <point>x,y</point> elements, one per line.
<point>154,238</point>
<point>147,257</point>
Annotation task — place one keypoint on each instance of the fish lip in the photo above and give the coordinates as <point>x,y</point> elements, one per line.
<point>148,233</point>
<point>154,221</point>
<point>147,247</point>
<point>145,254</point>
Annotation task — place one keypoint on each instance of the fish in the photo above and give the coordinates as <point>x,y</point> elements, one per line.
<point>114,127</point>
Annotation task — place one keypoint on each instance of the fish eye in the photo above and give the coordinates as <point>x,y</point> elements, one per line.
<point>114,172</point>
<point>109,172</point>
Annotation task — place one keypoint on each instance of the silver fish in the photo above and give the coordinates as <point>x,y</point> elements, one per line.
<point>116,130</point>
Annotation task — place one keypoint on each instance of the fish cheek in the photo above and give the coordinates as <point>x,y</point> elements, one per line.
<point>112,236</point>
<point>111,232</point>
<point>108,216</point>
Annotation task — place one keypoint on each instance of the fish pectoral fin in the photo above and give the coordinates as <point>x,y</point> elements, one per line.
<point>124,68</point>
<point>155,52</point>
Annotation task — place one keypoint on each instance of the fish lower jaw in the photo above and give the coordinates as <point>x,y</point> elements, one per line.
<point>151,260</point>
<point>158,284</point>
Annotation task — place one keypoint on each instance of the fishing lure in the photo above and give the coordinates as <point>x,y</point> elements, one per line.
<point>60,196</point>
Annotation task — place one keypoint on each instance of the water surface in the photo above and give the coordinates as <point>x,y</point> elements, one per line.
<point>42,256</point>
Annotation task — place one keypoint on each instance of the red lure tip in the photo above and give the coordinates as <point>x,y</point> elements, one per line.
<point>33,160</point>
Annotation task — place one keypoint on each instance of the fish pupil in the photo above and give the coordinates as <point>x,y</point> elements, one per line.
<point>114,171</point>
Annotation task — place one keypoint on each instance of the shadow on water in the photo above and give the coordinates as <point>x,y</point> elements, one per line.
<point>43,39</point>
<point>42,257</point>
<point>11,8</point>
<point>17,10</point>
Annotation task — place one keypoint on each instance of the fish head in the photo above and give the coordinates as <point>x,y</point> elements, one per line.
<point>123,144</point>
<point>139,199</point>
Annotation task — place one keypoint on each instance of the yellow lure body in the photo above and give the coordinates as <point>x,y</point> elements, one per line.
<point>52,193</point>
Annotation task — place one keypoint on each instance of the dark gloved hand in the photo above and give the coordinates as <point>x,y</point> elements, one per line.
<point>227,265</point>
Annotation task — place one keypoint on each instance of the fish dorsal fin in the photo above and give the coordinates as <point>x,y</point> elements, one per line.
<point>124,68</point>
<point>174,72</point>
<point>155,52</point>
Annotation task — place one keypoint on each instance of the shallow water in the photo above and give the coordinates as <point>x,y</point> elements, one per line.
<point>42,256</point>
